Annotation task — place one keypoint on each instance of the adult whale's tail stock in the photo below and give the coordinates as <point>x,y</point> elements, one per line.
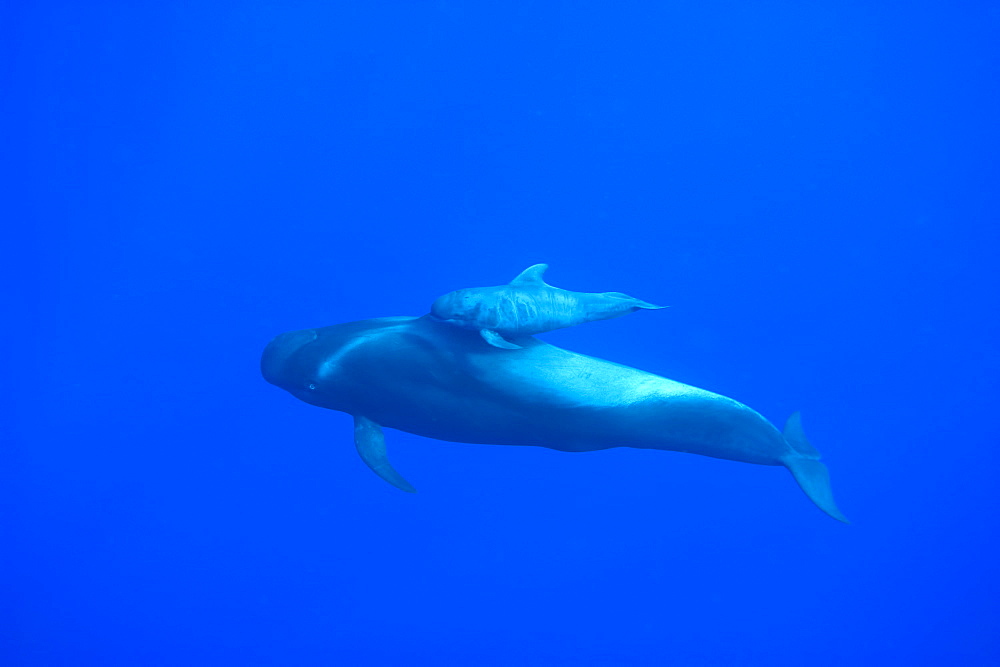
<point>809,472</point>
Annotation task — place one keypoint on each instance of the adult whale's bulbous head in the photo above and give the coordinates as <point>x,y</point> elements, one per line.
<point>310,363</point>
<point>277,363</point>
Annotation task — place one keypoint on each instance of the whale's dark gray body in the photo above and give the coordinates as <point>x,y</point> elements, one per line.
<point>432,379</point>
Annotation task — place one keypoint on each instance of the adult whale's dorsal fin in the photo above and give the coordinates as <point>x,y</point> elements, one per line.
<point>496,340</point>
<point>531,276</point>
<point>370,441</point>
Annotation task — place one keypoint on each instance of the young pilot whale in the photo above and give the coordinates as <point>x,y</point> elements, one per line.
<point>433,379</point>
<point>529,306</point>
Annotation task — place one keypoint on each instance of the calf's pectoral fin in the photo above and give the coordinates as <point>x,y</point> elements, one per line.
<point>370,441</point>
<point>496,340</point>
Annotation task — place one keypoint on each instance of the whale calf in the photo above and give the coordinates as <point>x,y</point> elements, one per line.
<point>427,377</point>
<point>529,306</point>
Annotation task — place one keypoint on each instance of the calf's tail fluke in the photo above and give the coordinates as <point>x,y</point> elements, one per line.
<point>637,304</point>
<point>809,472</point>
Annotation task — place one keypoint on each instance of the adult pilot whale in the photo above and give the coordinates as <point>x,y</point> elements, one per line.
<point>426,377</point>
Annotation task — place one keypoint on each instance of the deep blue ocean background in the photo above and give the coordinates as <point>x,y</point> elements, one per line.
<point>811,188</point>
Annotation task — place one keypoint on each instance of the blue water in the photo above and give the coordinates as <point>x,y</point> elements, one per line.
<point>813,190</point>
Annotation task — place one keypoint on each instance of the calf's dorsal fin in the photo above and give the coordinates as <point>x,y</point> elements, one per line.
<point>531,276</point>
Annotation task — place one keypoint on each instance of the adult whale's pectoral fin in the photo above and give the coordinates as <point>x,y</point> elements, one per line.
<point>496,340</point>
<point>370,441</point>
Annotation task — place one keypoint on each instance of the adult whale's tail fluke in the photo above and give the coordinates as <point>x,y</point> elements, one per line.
<point>809,472</point>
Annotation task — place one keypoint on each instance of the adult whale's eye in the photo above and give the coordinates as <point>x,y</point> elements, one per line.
<point>312,386</point>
